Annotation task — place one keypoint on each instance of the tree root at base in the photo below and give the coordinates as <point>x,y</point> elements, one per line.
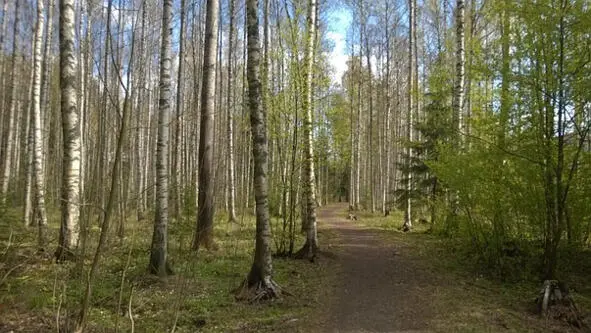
<point>308,251</point>
<point>263,290</point>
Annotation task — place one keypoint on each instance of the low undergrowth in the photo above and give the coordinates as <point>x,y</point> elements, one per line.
<point>38,295</point>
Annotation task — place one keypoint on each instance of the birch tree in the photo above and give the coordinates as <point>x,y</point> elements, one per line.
<point>159,251</point>
<point>309,217</point>
<point>230,120</point>
<point>411,110</point>
<point>68,239</point>
<point>259,283</point>
<point>38,176</point>
<point>12,106</point>
<point>458,96</point>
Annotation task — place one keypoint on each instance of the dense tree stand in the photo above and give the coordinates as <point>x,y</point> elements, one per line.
<point>431,141</point>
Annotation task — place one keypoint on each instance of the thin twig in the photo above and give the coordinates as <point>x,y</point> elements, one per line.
<point>10,271</point>
<point>129,311</point>
<point>9,243</point>
<point>59,307</point>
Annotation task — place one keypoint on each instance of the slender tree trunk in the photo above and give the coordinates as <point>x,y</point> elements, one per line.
<point>505,74</point>
<point>204,234</point>
<point>68,239</point>
<point>230,107</point>
<point>176,172</point>
<point>371,187</point>
<point>358,139</point>
<point>3,26</point>
<point>12,104</point>
<point>458,97</point>
<point>259,279</point>
<point>45,82</point>
<point>142,138</point>
<point>159,250</point>
<point>352,154</point>
<point>411,107</point>
<point>36,129</point>
<point>386,188</point>
<point>309,218</point>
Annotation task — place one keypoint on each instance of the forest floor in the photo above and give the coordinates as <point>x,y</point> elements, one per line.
<point>369,277</point>
<point>389,281</point>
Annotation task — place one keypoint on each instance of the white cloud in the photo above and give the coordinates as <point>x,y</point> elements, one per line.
<point>338,57</point>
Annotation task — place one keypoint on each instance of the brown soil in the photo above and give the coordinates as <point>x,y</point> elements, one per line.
<point>379,288</point>
<point>386,282</point>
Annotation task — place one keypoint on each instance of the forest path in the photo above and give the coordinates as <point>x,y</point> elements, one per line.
<point>380,286</point>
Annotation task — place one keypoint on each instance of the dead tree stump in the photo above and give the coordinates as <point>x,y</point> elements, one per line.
<point>555,301</point>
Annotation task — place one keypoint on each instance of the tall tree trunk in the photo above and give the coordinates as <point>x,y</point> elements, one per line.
<point>36,129</point>
<point>309,218</point>
<point>386,188</point>
<point>358,138</point>
<point>204,234</point>
<point>68,239</point>
<point>505,74</point>
<point>159,249</point>
<point>371,187</point>
<point>352,165</point>
<point>259,281</point>
<point>176,172</point>
<point>3,26</point>
<point>12,103</point>
<point>411,107</point>
<point>45,82</point>
<point>230,107</point>
<point>458,97</point>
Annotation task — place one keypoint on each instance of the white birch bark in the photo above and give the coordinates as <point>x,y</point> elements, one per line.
<point>458,97</point>
<point>411,110</point>
<point>309,218</point>
<point>68,239</point>
<point>12,103</point>
<point>38,176</point>
<point>159,250</point>
<point>260,276</point>
<point>231,102</point>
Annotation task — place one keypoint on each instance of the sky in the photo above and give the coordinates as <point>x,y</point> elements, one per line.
<point>338,24</point>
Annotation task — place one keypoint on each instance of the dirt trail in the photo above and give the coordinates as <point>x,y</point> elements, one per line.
<point>380,288</point>
<point>390,282</point>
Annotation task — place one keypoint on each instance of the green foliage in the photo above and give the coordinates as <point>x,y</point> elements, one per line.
<point>435,130</point>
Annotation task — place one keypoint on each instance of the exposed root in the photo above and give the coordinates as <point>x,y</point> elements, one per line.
<point>308,251</point>
<point>263,290</point>
<point>63,255</point>
<point>282,254</point>
<point>166,270</point>
<point>555,302</point>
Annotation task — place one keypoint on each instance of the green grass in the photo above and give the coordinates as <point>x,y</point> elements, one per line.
<point>197,297</point>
